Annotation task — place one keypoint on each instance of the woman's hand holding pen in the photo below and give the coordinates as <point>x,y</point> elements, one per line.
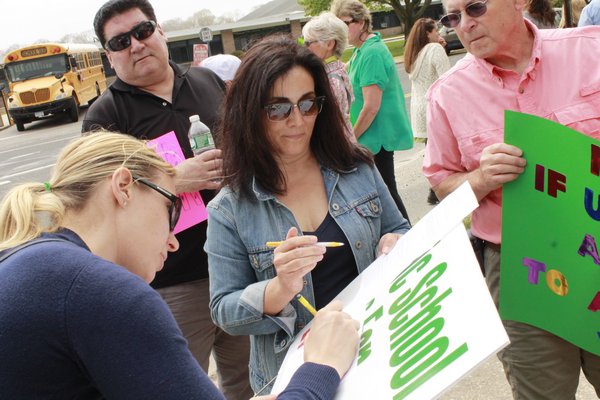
<point>293,259</point>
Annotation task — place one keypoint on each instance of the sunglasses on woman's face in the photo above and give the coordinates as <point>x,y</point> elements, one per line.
<point>141,31</point>
<point>473,10</point>
<point>282,111</point>
<point>174,207</point>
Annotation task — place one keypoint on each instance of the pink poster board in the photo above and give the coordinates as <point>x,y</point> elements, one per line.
<point>193,211</point>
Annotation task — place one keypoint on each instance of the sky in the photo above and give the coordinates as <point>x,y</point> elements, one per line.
<point>25,21</point>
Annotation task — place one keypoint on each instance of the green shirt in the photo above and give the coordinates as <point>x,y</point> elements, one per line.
<point>373,64</point>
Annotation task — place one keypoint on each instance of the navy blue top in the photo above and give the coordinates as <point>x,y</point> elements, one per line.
<point>338,267</point>
<point>75,326</point>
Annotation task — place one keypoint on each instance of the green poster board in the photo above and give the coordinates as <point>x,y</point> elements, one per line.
<point>550,270</point>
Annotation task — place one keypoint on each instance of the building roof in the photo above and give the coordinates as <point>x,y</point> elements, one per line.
<point>273,13</point>
<point>274,8</point>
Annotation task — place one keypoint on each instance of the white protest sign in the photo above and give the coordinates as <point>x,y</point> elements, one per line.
<point>426,313</point>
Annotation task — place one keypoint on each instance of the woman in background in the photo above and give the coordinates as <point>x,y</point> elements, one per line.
<point>378,114</point>
<point>327,37</point>
<point>425,61</point>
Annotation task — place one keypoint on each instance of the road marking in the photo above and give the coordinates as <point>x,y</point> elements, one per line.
<point>4,183</point>
<point>39,144</point>
<point>24,155</point>
<point>27,171</point>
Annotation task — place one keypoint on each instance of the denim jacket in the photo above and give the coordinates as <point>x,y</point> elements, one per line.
<point>241,265</point>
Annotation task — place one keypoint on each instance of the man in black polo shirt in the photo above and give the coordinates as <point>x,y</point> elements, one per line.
<point>151,97</point>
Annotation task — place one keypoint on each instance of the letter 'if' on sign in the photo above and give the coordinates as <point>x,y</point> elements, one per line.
<point>205,34</point>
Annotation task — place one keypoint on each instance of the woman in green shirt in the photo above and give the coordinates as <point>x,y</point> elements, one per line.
<point>378,114</point>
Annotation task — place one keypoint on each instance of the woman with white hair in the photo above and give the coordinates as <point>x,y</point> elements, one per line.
<point>327,37</point>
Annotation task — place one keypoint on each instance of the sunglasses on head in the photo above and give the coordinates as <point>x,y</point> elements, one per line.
<point>174,207</point>
<point>141,31</point>
<point>282,111</point>
<point>473,10</point>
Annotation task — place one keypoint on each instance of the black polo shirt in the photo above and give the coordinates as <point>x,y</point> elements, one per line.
<point>126,109</point>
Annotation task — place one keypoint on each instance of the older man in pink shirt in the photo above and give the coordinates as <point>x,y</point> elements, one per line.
<point>511,66</point>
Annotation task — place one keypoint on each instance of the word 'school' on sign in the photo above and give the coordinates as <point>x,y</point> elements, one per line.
<point>427,316</point>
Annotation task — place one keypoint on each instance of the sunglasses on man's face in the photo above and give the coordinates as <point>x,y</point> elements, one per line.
<point>282,111</point>
<point>473,10</point>
<point>174,207</point>
<point>141,31</point>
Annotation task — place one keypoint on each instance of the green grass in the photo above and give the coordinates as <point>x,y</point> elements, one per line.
<point>396,48</point>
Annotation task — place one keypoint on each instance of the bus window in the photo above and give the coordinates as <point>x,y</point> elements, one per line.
<point>36,68</point>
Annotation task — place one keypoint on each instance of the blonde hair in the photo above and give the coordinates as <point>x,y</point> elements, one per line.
<point>354,9</point>
<point>32,208</point>
<point>326,27</point>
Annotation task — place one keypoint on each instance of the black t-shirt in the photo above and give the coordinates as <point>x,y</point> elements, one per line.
<point>337,268</point>
<point>126,109</point>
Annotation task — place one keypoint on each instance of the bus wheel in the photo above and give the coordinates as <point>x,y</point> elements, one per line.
<point>74,111</point>
<point>20,125</point>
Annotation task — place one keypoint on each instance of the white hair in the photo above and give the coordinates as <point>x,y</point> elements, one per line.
<point>326,27</point>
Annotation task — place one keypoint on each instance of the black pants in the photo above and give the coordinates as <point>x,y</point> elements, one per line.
<point>384,160</point>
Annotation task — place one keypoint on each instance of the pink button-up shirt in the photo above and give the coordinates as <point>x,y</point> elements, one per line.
<point>466,107</point>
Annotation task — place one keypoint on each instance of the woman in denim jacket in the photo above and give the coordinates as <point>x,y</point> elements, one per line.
<point>290,176</point>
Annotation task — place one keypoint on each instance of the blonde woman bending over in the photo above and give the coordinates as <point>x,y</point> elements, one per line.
<point>78,318</point>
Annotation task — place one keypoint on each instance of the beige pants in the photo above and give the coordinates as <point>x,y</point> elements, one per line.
<point>189,304</point>
<point>538,364</point>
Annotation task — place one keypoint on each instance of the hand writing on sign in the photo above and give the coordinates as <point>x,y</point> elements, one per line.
<point>333,338</point>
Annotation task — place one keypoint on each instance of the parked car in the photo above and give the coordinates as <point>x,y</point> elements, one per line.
<point>452,42</point>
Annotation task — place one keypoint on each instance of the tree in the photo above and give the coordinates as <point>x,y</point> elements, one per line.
<point>407,11</point>
<point>81,37</point>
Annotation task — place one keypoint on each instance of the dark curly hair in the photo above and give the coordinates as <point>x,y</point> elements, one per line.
<point>247,150</point>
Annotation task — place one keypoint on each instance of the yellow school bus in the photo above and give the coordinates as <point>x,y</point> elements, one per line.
<point>52,79</point>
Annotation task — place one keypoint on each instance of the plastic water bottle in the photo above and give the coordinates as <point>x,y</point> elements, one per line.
<point>200,137</point>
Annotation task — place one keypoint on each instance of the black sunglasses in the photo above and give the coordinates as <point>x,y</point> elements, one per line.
<point>141,31</point>
<point>282,111</point>
<point>473,10</point>
<point>349,22</point>
<point>174,207</point>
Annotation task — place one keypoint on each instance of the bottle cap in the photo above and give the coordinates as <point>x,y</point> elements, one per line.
<point>194,118</point>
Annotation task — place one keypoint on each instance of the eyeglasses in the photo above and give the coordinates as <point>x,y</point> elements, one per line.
<point>141,31</point>
<point>307,43</point>
<point>349,22</point>
<point>282,111</point>
<point>174,207</point>
<point>474,10</point>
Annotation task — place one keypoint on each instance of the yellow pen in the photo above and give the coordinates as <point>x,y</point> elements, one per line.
<point>306,304</point>
<point>324,244</point>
